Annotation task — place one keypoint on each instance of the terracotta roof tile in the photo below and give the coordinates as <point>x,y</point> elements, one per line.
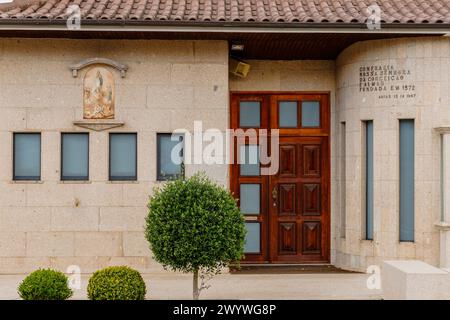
<point>246,11</point>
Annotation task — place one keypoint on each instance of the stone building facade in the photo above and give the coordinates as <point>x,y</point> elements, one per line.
<point>425,99</point>
<point>170,83</point>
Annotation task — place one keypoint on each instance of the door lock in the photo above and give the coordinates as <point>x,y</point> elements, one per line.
<point>275,195</point>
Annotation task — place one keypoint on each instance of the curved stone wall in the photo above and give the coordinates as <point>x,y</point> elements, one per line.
<point>384,81</point>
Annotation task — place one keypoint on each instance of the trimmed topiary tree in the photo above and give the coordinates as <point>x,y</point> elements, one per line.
<point>116,283</point>
<point>194,226</point>
<point>45,284</point>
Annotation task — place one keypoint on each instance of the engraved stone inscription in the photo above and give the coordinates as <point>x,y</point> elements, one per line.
<point>387,81</point>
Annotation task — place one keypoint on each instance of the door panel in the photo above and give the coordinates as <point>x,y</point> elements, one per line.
<point>291,222</point>
<point>311,160</point>
<point>287,160</point>
<point>287,201</point>
<point>246,180</point>
<point>311,237</point>
<point>287,238</point>
<point>300,194</point>
<point>311,199</point>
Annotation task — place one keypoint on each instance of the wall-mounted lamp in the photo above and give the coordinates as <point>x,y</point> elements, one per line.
<point>237,47</point>
<point>239,68</point>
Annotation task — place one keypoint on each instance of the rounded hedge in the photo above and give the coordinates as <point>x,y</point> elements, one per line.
<point>116,283</point>
<point>194,224</point>
<point>45,284</point>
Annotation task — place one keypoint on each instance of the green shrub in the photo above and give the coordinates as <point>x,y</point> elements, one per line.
<point>116,283</point>
<point>45,284</point>
<point>195,226</point>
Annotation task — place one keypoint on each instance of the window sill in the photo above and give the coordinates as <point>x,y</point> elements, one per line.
<point>123,182</point>
<point>442,225</point>
<point>407,243</point>
<point>160,182</point>
<point>74,182</point>
<point>26,182</point>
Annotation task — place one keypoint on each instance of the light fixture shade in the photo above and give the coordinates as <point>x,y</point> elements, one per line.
<point>239,68</point>
<point>237,47</point>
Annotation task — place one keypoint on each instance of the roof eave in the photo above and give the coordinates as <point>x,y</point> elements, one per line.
<point>223,27</point>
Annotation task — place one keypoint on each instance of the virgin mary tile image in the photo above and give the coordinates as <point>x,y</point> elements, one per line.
<point>98,97</point>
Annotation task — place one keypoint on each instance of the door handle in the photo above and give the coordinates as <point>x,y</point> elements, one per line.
<point>275,196</point>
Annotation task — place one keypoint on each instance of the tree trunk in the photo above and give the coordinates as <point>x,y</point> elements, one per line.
<point>195,292</point>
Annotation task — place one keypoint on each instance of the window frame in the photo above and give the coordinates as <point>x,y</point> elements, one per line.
<point>369,183</point>
<point>77,178</point>
<point>27,178</point>
<point>124,178</point>
<point>298,114</point>
<point>166,177</point>
<point>408,235</point>
<point>260,114</point>
<point>247,214</point>
<point>301,126</point>
<point>260,237</point>
<point>343,178</point>
<point>244,146</point>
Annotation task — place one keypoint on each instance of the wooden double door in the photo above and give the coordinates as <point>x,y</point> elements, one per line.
<point>287,210</point>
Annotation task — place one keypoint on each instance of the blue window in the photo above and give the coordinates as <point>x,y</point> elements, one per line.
<point>287,111</point>
<point>249,114</point>
<point>249,160</point>
<point>75,156</point>
<point>369,179</point>
<point>253,238</point>
<point>343,178</point>
<point>27,156</point>
<point>407,180</point>
<point>170,155</point>
<point>122,156</point>
<point>310,114</point>
<point>250,198</point>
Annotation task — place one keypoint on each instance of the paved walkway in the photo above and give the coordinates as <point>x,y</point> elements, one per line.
<point>240,286</point>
